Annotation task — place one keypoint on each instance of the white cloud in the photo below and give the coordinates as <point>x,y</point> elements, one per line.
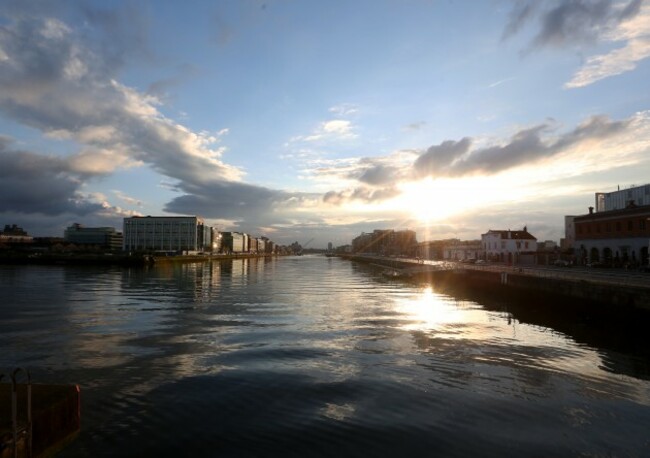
<point>126,198</point>
<point>635,36</point>
<point>344,109</point>
<point>332,130</point>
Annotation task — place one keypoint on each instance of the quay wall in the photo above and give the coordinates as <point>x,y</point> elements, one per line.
<point>616,295</point>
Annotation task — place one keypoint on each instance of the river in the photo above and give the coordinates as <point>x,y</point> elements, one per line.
<point>315,356</point>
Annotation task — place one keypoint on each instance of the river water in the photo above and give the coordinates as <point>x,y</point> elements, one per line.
<point>315,356</point>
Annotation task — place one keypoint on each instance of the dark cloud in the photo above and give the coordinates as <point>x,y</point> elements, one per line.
<point>520,14</point>
<point>569,22</point>
<point>525,146</point>
<point>453,159</point>
<point>379,175</point>
<point>438,158</point>
<point>226,200</point>
<point>362,194</point>
<point>33,183</point>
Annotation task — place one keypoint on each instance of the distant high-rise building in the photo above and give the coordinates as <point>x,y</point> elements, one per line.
<point>329,246</point>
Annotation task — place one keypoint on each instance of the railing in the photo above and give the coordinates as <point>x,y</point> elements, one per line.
<point>18,430</point>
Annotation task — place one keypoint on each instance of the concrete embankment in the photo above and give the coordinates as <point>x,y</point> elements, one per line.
<point>55,419</point>
<point>204,258</point>
<point>509,281</point>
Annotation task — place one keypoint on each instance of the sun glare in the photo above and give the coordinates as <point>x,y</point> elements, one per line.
<point>429,310</point>
<point>435,200</point>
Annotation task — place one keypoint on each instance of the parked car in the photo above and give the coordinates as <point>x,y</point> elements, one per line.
<point>562,263</point>
<point>480,262</point>
<point>597,264</point>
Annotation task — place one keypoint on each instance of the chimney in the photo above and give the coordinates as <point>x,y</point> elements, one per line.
<point>591,210</point>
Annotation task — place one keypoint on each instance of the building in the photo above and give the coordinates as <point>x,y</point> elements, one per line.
<point>386,243</point>
<point>460,251</point>
<point>569,239</point>
<point>216,241</point>
<point>14,235</point>
<point>615,237</point>
<point>233,242</point>
<point>508,246</point>
<point>106,238</point>
<point>620,199</point>
<point>166,233</point>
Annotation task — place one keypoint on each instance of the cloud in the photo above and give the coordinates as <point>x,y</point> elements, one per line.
<point>333,130</point>
<point>438,158</point>
<point>414,126</point>
<point>361,194</point>
<point>527,146</point>
<point>126,198</point>
<point>582,23</point>
<point>344,109</point>
<point>635,36</point>
<point>52,83</point>
<point>34,183</point>
<point>596,143</point>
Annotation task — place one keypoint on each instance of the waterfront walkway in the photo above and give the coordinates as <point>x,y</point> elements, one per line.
<point>613,276</point>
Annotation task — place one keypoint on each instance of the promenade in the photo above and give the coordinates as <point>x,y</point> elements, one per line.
<point>616,287</point>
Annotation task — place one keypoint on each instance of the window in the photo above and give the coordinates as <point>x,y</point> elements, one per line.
<point>618,226</point>
<point>630,225</point>
<point>525,244</point>
<point>518,245</point>
<point>642,224</point>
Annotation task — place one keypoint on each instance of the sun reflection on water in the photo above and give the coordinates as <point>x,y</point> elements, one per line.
<point>429,310</point>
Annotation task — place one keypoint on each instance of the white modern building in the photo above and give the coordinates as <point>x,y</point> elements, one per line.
<point>622,198</point>
<point>506,245</point>
<point>458,250</point>
<point>166,233</point>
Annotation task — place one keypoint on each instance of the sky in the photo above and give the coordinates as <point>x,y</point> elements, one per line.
<point>301,119</point>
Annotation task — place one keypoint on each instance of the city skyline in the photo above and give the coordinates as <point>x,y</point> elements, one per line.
<point>312,120</point>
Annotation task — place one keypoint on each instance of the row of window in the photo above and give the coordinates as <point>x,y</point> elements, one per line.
<point>493,246</point>
<point>630,225</point>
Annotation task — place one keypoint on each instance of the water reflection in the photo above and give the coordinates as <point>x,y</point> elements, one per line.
<point>288,356</point>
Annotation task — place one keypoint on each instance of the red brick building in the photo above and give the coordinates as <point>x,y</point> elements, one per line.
<point>616,237</point>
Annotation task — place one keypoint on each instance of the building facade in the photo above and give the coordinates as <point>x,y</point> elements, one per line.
<point>233,242</point>
<point>166,233</point>
<point>386,243</point>
<point>622,198</point>
<point>615,237</point>
<point>462,250</point>
<point>14,235</point>
<point>508,246</point>
<point>103,237</point>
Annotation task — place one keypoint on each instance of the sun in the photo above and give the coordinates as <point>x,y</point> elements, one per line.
<point>436,200</point>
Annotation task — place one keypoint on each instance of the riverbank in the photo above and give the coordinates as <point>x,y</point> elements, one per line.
<point>137,260</point>
<point>619,292</point>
